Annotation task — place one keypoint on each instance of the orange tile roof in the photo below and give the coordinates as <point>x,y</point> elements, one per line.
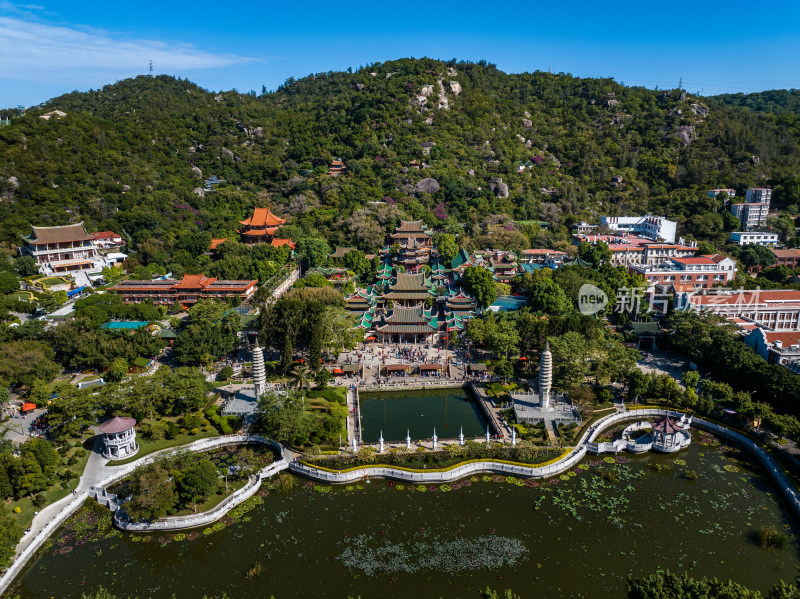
<point>786,253</point>
<point>215,243</point>
<point>194,282</point>
<point>263,217</point>
<point>279,242</point>
<point>104,235</point>
<point>786,338</point>
<point>537,251</point>
<point>260,232</point>
<point>695,260</point>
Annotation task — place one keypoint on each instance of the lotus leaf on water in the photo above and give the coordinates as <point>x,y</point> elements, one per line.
<point>457,555</point>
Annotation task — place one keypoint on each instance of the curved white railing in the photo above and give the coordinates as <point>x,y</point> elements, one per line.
<point>120,472</point>
<point>484,467</point>
<point>198,446</point>
<point>575,456</point>
<point>203,518</point>
<point>38,541</point>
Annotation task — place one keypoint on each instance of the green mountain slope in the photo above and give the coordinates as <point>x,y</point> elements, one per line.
<point>123,157</point>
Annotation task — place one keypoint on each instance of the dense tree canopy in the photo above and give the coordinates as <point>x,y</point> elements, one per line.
<point>554,140</point>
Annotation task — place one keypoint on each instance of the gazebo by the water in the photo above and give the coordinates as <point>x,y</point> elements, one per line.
<point>119,438</point>
<point>669,435</point>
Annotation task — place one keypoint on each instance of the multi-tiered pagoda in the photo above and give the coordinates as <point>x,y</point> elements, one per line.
<point>409,290</point>
<point>460,303</point>
<point>415,231</point>
<point>361,300</point>
<point>261,227</point>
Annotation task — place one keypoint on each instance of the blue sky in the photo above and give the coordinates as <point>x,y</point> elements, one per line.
<point>49,48</point>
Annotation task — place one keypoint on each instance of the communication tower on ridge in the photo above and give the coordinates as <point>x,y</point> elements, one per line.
<point>151,68</point>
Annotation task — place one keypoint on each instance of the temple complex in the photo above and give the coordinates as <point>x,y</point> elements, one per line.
<point>260,227</point>
<point>415,232</point>
<point>385,272</point>
<point>63,249</point>
<point>188,291</point>
<point>460,303</point>
<point>409,290</point>
<point>408,325</point>
<point>361,300</point>
<point>439,274</point>
<point>413,255</point>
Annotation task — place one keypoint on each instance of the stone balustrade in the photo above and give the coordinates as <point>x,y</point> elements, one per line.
<point>204,518</point>
<point>575,456</point>
<point>483,467</point>
<point>16,567</point>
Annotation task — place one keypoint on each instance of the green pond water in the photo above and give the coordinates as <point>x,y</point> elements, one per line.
<point>420,411</point>
<point>579,537</point>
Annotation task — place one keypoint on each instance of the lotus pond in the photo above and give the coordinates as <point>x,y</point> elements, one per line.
<point>578,535</point>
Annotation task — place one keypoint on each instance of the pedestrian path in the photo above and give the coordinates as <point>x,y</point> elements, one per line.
<point>95,470</point>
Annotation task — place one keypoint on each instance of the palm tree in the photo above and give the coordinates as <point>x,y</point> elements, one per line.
<point>301,378</point>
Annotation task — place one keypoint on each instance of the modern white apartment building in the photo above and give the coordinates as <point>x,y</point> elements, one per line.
<point>656,228</point>
<point>701,272</point>
<point>754,237</point>
<point>775,309</point>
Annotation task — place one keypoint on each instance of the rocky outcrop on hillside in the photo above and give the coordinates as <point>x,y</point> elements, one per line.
<point>499,188</point>
<point>427,185</point>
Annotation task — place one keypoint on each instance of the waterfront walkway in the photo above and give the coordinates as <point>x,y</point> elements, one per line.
<point>489,409</point>
<point>98,477</point>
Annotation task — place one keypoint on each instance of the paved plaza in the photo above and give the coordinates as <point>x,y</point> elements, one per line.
<point>372,357</point>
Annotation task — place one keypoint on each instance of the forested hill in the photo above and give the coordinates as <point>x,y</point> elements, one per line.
<point>131,156</point>
<point>775,101</point>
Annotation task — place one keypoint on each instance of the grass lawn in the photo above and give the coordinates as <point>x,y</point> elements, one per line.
<point>598,414</point>
<point>147,446</point>
<point>212,400</point>
<point>53,281</point>
<point>499,389</point>
<point>58,491</point>
<point>23,296</point>
<point>332,394</point>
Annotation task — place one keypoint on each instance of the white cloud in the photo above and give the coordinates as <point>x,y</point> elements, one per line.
<point>40,52</point>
